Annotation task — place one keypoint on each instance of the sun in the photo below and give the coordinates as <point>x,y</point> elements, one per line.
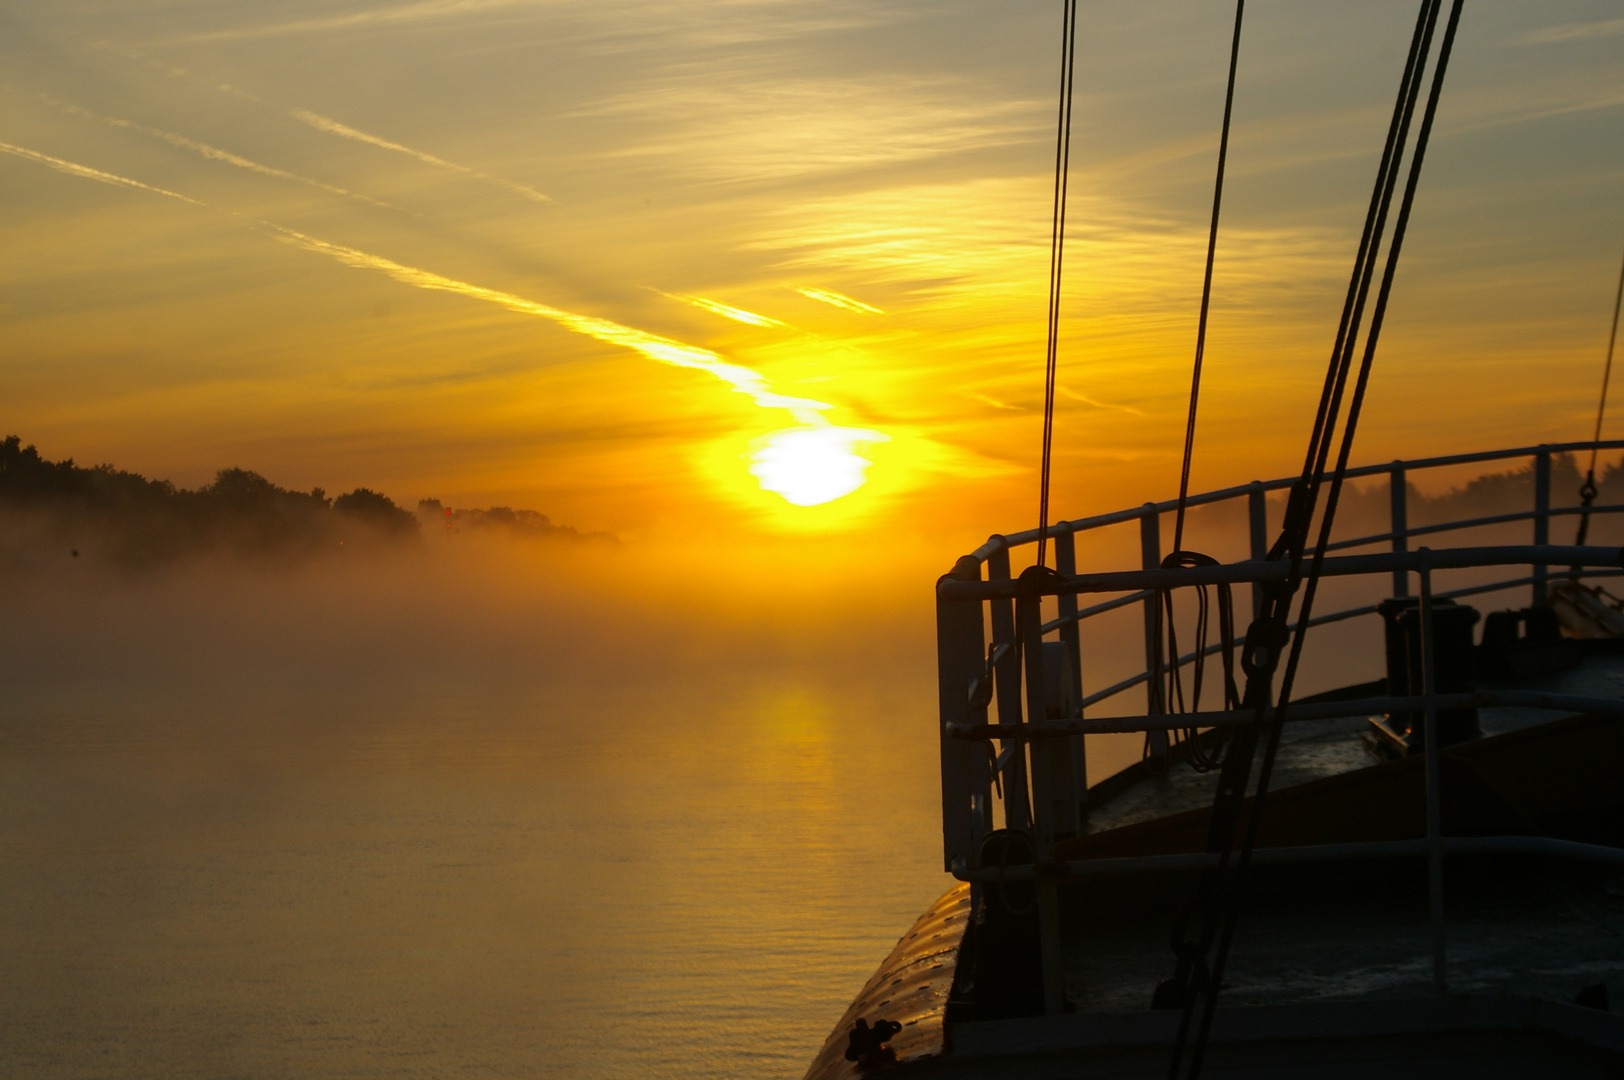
<point>813,464</point>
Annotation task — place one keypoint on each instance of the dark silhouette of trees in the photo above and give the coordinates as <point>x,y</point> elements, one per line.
<point>122,516</point>
<point>499,520</point>
<point>128,518</point>
<point>367,505</point>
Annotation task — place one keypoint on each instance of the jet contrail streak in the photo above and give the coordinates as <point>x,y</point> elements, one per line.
<point>834,298</point>
<point>91,174</point>
<point>726,311</point>
<point>214,153</point>
<point>333,127</point>
<point>742,379</point>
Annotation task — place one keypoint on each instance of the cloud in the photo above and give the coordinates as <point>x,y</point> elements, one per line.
<point>213,153</point>
<point>839,301</point>
<point>994,402</point>
<point>1092,403</point>
<point>426,10</point>
<point>1579,31</point>
<point>726,311</point>
<point>333,127</point>
<point>807,412</point>
<point>743,380</point>
<point>769,128</point>
<point>88,173</point>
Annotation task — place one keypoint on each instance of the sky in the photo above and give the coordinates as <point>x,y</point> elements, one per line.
<point>764,269</point>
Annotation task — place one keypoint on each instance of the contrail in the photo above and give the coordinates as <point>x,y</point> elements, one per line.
<point>333,127</point>
<point>726,311</point>
<point>1086,400</point>
<point>827,297</point>
<point>742,379</point>
<point>92,174</point>
<point>213,153</point>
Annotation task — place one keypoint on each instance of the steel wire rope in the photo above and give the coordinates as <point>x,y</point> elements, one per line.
<point>1175,691</point>
<point>1350,428</point>
<point>1267,632</point>
<point>1232,781</point>
<point>1057,249</point>
<point>1206,282</point>
<point>1587,492</point>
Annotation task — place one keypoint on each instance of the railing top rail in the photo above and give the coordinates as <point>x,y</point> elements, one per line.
<point>1117,517</point>
<point>1253,570</point>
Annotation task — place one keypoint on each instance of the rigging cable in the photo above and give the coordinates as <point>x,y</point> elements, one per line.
<point>1350,427</point>
<point>1206,282</point>
<point>1587,493</point>
<point>1217,893</point>
<point>1057,250</point>
<point>1171,697</point>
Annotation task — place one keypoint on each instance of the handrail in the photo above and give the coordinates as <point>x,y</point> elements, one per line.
<point>1473,523</point>
<point>1278,570</point>
<point>1318,620</point>
<point>1050,796</point>
<point>1116,517</point>
<point>1097,609</point>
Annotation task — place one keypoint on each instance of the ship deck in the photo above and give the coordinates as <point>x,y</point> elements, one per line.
<point>1316,749</point>
<point>1332,961</point>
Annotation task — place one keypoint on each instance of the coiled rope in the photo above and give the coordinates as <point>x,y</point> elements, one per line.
<point>1170,697</point>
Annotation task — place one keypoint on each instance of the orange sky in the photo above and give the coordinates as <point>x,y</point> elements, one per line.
<point>596,259</point>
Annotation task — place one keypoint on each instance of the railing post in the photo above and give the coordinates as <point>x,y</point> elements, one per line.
<point>1065,561</point>
<point>1542,516</point>
<point>1029,623</point>
<point>1150,549</point>
<point>966,778</point>
<point>1007,680</point>
<point>1257,510</point>
<point>1435,842</point>
<point>1399,523</point>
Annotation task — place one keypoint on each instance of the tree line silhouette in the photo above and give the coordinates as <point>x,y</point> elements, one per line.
<point>125,517</point>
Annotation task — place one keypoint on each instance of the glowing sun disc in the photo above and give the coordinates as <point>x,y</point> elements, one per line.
<point>812,465</point>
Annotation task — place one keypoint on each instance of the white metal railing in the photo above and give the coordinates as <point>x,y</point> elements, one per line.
<point>1039,768</point>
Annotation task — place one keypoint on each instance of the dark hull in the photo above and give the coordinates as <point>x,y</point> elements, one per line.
<point>1330,982</point>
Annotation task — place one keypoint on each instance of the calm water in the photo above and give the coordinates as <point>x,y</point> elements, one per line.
<point>571,889</point>
<point>452,820</point>
<point>232,850</point>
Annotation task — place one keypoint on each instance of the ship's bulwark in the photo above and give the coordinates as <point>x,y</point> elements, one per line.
<point>910,988</point>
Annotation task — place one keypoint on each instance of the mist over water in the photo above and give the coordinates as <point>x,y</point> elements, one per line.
<point>497,811</point>
<point>471,807</point>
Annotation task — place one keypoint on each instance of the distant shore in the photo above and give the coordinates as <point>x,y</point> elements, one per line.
<point>109,514</point>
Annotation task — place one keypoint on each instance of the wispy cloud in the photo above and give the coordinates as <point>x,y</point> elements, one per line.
<point>1095,404</point>
<point>333,127</point>
<point>423,11</point>
<point>726,311</point>
<point>743,380</point>
<point>775,128</point>
<point>837,300</point>
<point>88,173</point>
<point>1578,31</point>
<point>989,400</point>
<point>213,153</point>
